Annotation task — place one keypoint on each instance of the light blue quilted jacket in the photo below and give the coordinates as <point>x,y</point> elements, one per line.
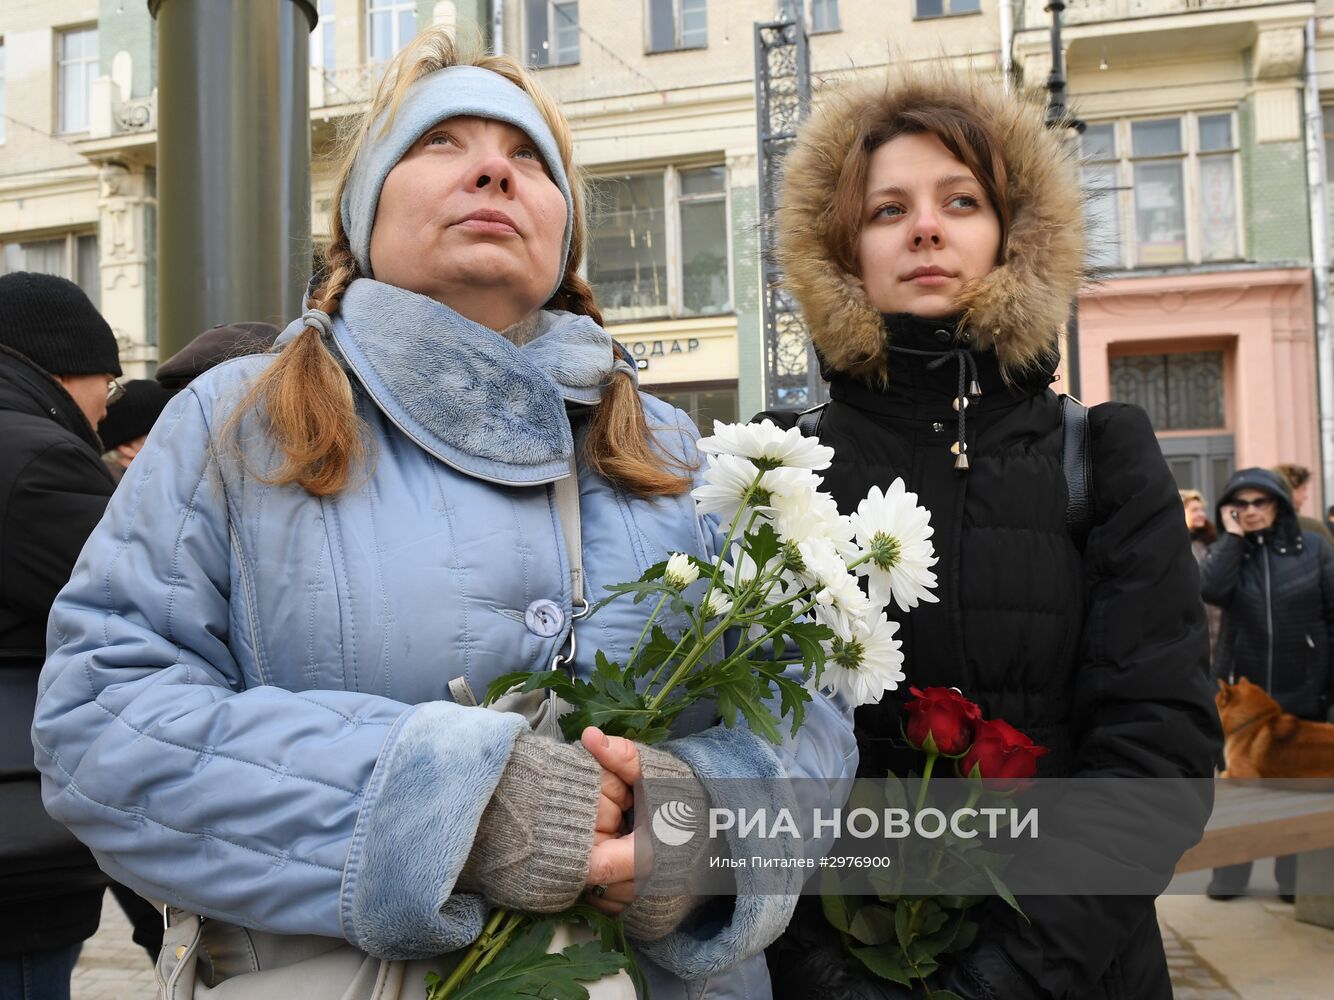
<point>245,709</point>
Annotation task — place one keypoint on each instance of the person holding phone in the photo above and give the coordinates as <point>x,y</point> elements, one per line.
<point>1274,582</point>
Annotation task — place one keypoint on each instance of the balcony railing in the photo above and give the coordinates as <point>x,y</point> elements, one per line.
<point>1092,11</point>
<point>339,87</point>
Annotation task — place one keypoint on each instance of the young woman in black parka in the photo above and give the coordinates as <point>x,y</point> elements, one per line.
<point>931,231</point>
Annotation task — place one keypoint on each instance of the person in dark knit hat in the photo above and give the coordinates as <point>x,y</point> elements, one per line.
<point>213,347</point>
<point>58,362</point>
<point>126,425</point>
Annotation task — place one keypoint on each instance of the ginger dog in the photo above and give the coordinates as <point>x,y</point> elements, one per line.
<point>1263,741</point>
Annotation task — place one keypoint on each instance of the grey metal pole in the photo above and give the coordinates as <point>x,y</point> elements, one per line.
<point>1318,190</point>
<point>1059,118</point>
<point>233,163</point>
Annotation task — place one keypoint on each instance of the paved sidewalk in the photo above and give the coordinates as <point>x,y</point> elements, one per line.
<point>111,966</point>
<point>1245,949</point>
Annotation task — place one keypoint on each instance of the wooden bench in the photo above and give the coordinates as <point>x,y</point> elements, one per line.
<point>1254,820</point>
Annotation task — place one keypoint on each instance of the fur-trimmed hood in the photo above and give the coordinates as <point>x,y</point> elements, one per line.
<point>1018,308</point>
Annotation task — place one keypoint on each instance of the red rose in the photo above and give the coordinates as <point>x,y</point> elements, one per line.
<point>944,714</point>
<point>1003,755</point>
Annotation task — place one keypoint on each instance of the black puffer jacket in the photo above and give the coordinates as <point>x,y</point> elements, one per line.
<point>53,490</point>
<point>1101,654</point>
<point>1101,657</point>
<point>1276,589</point>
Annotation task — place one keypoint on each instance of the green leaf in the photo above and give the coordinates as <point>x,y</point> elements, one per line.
<point>793,698</point>
<point>529,680</point>
<point>837,911</point>
<point>524,968</point>
<point>762,544</point>
<point>807,637</point>
<point>884,963</point>
<point>895,794</point>
<point>903,930</point>
<point>967,934</point>
<point>1004,893</point>
<point>873,924</point>
<point>941,940</point>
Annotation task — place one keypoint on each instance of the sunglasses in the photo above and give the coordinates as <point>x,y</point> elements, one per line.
<point>1259,504</point>
<point>115,391</point>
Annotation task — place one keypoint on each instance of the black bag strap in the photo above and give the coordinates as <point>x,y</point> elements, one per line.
<point>808,421</point>
<point>1075,463</point>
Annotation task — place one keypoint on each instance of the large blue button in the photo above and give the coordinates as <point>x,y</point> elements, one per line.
<point>544,618</point>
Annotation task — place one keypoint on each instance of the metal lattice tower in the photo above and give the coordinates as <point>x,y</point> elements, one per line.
<point>782,100</point>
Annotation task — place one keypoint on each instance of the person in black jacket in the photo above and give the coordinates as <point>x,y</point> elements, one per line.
<point>1274,581</point>
<point>930,230</point>
<point>58,362</point>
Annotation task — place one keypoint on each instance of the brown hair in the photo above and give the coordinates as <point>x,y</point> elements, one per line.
<point>963,131</point>
<point>305,395</point>
<point>1296,475</point>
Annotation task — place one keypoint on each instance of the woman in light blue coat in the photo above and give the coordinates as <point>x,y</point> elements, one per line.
<point>257,701</point>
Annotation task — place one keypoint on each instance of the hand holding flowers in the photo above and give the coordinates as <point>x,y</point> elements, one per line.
<point>784,593</point>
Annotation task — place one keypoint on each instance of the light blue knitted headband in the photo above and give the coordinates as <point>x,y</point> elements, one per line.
<point>446,93</point>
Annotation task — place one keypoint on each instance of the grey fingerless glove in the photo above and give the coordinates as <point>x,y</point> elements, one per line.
<point>532,844</point>
<point>665,872</point>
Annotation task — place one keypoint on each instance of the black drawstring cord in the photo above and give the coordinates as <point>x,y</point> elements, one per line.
<point>967,377</point>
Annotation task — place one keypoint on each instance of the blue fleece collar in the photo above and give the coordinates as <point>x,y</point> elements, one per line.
<point>464,393</point>
<point>446,93</point>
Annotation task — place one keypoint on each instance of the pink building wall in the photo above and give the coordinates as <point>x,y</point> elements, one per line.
<point>1262,321</point>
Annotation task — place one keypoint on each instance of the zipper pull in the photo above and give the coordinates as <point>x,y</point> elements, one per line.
<point>1310,642</point>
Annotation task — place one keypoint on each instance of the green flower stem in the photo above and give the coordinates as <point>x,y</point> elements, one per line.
<point>937,852</point>
<point>502,938</point>
<point>476,951</point>
<point>926,778</point>
<point>773,632</point>
<point>691,659</point>
<point>634,654</point>
<point>731,529</point>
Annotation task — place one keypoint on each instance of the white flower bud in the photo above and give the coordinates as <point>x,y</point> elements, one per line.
<point>681,572</point>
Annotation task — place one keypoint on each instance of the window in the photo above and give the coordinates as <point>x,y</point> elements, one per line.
<point>1178,391</point>
<point>552,32</point>
<point>322,39</point>
<point>943,8</point>
<point>704,402</point>
<point>1162,191</point>
<point>77,66</point>
<point>638,223</point>
<point>677,24</point>
<point>73,256</point>
<point>821,15</point>
<point>391,25</point>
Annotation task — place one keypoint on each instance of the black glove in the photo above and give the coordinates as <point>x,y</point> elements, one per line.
<point>808,963</point>
<point>984,972</point>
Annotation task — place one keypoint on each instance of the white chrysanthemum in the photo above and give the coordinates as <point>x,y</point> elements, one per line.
<point>767,446</point>
<point>726,481</point>
<point>897,534</point>
<point>715,605</point>
<point>803,515</point>
<point>866,664</point>
<point>826,574</point>
<point>680,572</point>
<point>728,477</point>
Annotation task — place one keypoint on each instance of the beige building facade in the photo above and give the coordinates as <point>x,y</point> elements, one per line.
<point>1194,160</point>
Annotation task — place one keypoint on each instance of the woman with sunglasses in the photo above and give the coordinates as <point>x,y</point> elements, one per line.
<point>1275,584</point>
